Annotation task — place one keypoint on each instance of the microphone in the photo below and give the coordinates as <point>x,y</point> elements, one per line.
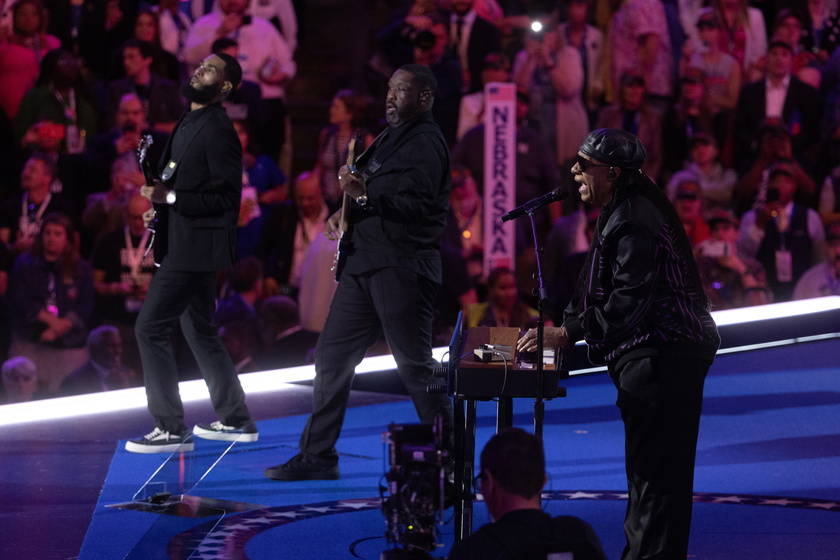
<point>532,205</point>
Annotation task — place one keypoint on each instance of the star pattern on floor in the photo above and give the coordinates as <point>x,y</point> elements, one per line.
<point>216,539</point>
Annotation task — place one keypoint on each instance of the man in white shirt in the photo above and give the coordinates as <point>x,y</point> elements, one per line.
<point>779,96</point>
<point>279,12</point>
<point>174,26</point>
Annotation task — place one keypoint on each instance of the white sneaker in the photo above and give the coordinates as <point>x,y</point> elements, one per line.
<point>247,432</point>
<point>160,441</point>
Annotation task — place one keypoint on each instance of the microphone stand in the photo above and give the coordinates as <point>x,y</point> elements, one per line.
<point>529,208</point>
<point>542,300</point>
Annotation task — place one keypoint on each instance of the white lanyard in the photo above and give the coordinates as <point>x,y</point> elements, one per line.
<point>136,255</point>
<point>69,105</point>
<point>24,213</point>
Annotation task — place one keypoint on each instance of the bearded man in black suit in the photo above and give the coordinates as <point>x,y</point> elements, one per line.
<point>197,205</point>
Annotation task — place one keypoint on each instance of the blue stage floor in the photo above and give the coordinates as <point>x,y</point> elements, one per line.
<point>767,483</point>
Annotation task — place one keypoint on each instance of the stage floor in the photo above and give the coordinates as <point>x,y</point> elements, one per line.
<point>766,478</point>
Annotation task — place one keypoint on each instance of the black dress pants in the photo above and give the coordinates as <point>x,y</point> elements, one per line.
<point>189,296</point>
<point>394,301</point>
<point>660,399</point>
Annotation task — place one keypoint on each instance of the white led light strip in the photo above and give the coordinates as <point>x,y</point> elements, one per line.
<point>274,380</point>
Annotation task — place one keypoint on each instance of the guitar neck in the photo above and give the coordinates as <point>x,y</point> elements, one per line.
<point>344,224</point>
<point>146,141</point>
<point>147,173</point>
<point>346,200</point>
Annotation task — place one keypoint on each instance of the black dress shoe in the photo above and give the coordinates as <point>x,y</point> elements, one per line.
<point>304,467</point>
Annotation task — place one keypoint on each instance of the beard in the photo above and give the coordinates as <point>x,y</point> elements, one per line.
<point>401,115</point>
<point>201,95</point>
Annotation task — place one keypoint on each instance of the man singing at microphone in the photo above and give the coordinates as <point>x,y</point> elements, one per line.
<point>641,308</point>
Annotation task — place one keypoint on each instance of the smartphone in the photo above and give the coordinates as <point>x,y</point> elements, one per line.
<point>715,249</point>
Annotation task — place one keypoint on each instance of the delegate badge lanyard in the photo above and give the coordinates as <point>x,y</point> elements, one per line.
<point>27,228</point>
<point>784,258</point>
<point>135,255</point>
<point>73,135</point>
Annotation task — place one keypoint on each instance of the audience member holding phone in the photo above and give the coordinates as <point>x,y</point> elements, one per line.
<point>730,279</point>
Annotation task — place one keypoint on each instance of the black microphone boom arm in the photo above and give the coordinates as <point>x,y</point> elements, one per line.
<point>533,205</point>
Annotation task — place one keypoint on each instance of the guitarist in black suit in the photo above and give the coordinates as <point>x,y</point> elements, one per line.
<point>401,188</point>
<point>197,204</point>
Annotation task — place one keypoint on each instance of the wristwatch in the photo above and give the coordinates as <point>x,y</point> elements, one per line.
<point>170,197</point>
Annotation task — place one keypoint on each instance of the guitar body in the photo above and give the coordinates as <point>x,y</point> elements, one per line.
<point>161,232</point>
<point>159,225</point>
<point>345,244</point>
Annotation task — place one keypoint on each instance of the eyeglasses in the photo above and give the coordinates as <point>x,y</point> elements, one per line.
<point>584,164</point>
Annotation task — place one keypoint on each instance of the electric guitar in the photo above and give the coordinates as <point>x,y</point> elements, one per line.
<point>157,225</point>
<point>345,245</point>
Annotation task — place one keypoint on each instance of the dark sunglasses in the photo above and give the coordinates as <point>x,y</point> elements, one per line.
<point>584,163</point>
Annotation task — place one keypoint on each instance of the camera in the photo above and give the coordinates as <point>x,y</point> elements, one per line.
<point>414,502</point>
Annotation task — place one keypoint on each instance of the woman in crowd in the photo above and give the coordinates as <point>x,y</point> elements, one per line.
<point>22,52</point>
<point>164,63</point>
<point>744,35</point>
<point>723,73</point>
<point>347,118</point>
<point>51,298</point>
<point>503,307</point>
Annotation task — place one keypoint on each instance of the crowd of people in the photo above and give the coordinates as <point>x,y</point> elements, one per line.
<point>736,106</point>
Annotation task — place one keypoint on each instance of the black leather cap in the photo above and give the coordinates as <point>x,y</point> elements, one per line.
<point>614,147</point>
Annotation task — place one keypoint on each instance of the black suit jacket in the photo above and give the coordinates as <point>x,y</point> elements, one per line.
<point>801,114</point>
<point>199,230</point>
<point>485,38</point>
